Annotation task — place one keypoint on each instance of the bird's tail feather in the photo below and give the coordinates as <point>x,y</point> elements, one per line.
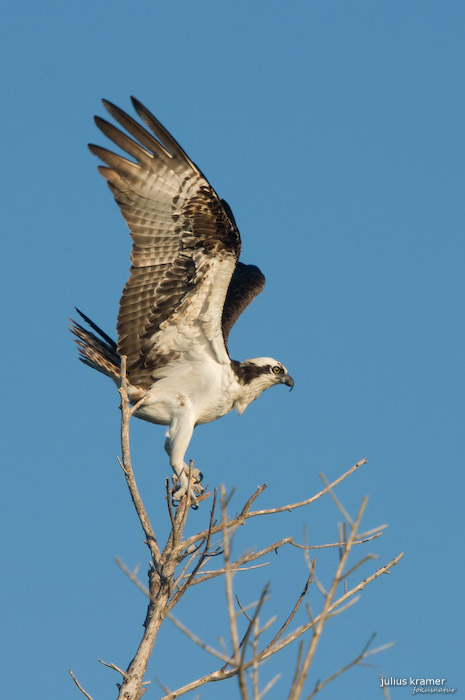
<point>100,353</point>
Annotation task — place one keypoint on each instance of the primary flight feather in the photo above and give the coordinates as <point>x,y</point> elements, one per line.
<point>185,291</point>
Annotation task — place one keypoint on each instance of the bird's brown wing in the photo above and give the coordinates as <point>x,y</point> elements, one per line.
<point>185,246</point>
<point>246,283</point>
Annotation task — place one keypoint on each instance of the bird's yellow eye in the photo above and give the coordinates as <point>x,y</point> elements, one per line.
<point>277,370</point>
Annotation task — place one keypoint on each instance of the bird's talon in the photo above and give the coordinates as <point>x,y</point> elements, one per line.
<point>181,485</point>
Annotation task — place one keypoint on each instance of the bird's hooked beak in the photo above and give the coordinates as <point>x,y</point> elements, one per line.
<point>288,381</point>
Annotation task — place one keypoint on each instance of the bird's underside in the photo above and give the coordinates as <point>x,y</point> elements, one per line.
<point>185,291</point>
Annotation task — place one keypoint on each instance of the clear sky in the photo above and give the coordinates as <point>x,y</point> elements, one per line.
<point>335,130</point>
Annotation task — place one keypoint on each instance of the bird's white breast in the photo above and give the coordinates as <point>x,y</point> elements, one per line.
<point>201,385</point>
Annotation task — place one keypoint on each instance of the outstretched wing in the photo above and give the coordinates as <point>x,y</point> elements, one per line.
<point>246,283</point>
<point>185,246</point>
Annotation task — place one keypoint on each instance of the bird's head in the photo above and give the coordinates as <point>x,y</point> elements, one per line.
<point>264,372</point>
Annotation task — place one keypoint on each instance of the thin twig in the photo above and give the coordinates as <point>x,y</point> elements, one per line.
<point>245,514</point>
<point>296,607</point>
<point>237,656</point>
<point>268,624</point>
<point>89,697</point>
<point>168,500</point>
<point>198,641</point>
<point>131,575</point>
<point>357,661</point>
<point>128,471</point>
<point>306,502</point>
<point>342,609</point>
<point>139,404</point>
<point>242,609</point>
<point>268,687</point>
<point>333,544</point>
<point>235,566</point>
<point>368,557</point>
<point>252,498</point>
<point>161,685</point>
<point>196,568</point>
<point>245,638</point>
<point>112,666</point>
<point>336,500</point>
<point>297,667</point>
<point>255,665</point>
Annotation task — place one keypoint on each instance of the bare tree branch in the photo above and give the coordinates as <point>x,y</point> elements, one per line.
<point>181,564</point>
<point>338,503</point>
<point>245,514</point>
<point>202,557</point>
<point>196,640</point>
<point>318,628</point>
<point>270,650</point>
<point>238,658</point>
<point>364,653</point>
<point>131,687</point>
<point>115,668</point>
<point>306,502</point>
<point>268,687</point>
<point>89,697</point>
<point>128,471</point>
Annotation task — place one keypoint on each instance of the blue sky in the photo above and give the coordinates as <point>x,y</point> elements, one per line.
<point>335,130</point>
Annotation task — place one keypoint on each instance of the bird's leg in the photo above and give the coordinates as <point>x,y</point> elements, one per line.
<point>177,441</point>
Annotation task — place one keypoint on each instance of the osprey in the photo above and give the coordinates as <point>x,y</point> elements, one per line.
<point>185,291</point>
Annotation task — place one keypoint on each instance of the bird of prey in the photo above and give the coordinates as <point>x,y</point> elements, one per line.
<point>185,291</point>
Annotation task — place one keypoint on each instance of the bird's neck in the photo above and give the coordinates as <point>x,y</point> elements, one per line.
<point>252,381</point>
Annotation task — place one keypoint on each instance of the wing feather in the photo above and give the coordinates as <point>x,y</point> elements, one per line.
<point>123,141</point>
<point>162,134</point>
<point>135,129</point>
<point>185,246</point>
<point>122,166</point>
<point>246,283</point>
